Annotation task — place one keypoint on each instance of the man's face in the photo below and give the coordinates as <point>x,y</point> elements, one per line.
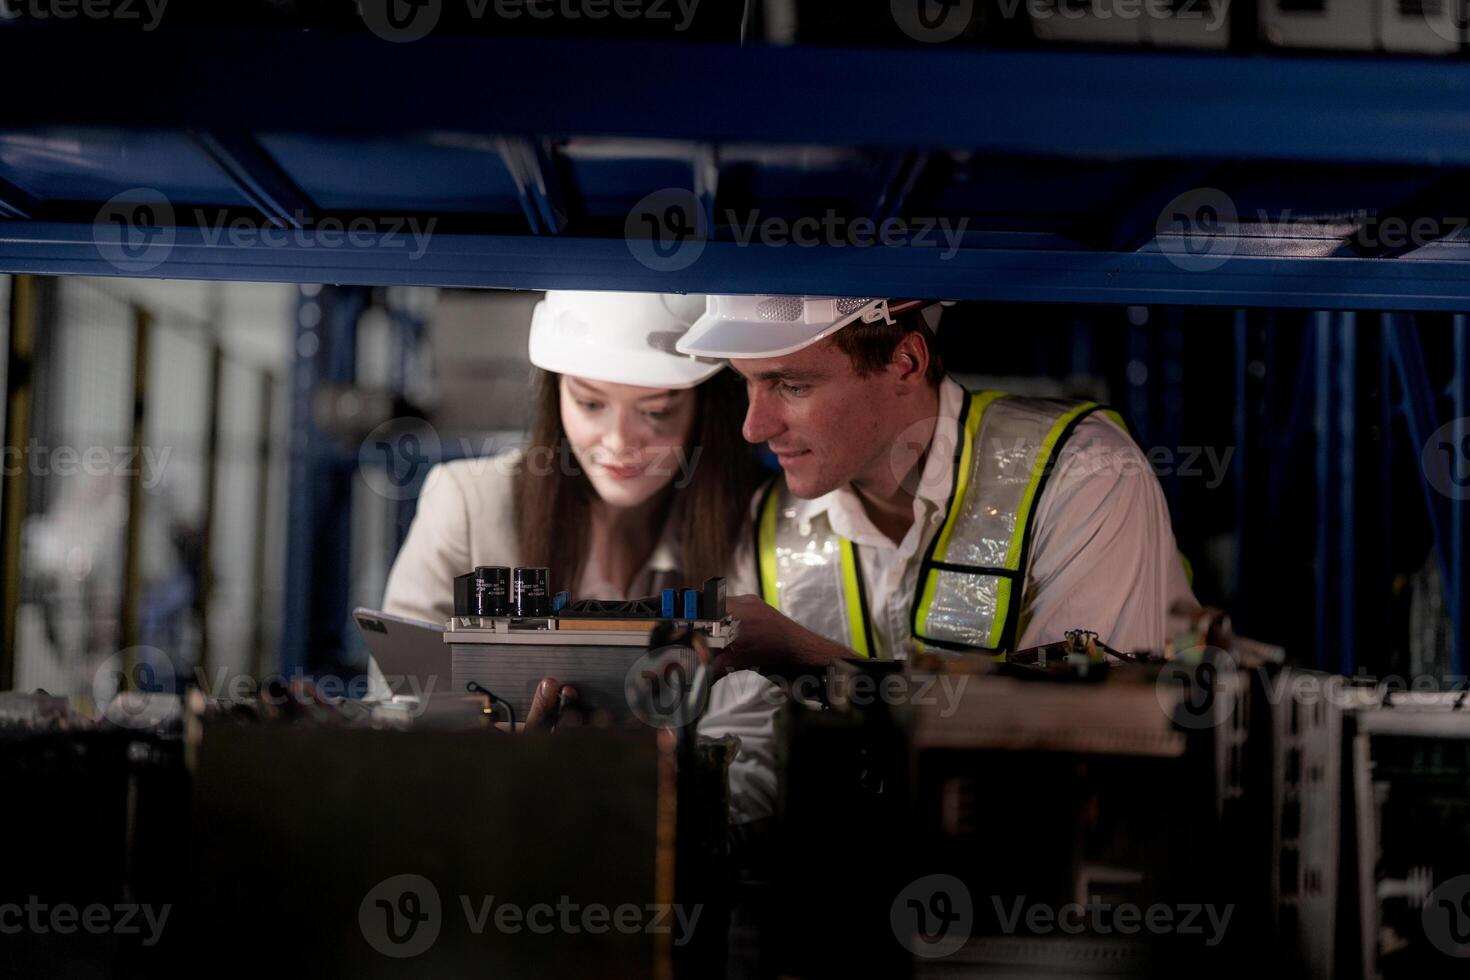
<point>826,425</point>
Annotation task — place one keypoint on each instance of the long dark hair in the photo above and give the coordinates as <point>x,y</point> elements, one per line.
<point>553,503</point>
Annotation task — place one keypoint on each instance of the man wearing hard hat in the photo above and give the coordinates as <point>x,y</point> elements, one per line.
<point>911,512</point>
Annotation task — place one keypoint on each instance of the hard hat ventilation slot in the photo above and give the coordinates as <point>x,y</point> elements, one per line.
<point>784,308</point>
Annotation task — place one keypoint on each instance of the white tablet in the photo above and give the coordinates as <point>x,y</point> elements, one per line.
<point>411,654</point>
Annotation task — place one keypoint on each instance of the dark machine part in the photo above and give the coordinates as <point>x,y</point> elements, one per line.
<point>256,833</point>
<point>464,595</point>
<point>96,820</point>
<point>531,595</point>
<point>302,836</point>
<point>1078,648</point>
<point>712,603</point>
<point>1411,826</point>
<point>1109,808</point>
<point>704,603</point>
<point>644,608</point>
<point>1084,791</point>
<point>1307,843</point>
<point>838,848</point>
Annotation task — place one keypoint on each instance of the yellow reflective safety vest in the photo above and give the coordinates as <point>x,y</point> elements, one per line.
<point>969,589</point>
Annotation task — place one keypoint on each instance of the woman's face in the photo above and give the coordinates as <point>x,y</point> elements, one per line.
<point>631,442</point>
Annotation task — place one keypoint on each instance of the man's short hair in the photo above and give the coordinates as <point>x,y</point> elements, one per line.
<point>870,346</point>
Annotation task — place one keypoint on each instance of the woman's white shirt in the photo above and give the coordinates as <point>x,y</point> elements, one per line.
<point>466,518</point>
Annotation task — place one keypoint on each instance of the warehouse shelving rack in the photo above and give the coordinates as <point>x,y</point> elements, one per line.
<point>1123,177</point>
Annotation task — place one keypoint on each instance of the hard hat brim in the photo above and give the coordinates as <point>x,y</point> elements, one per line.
<point>644,369</point>
<point>719,337</point>
<point>718,334</point>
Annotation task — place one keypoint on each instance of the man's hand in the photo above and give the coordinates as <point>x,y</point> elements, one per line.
<point>551,703</point>
<point>767,640</point>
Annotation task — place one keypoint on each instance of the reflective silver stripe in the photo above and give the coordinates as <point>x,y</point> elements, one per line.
<point>964,608</point>
<point>973,600</point>
<point>809,572</point>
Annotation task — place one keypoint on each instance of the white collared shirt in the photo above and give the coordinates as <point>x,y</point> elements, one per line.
<point>1103,558</point>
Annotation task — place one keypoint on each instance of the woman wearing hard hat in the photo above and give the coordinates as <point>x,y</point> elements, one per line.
<point>635,478</point>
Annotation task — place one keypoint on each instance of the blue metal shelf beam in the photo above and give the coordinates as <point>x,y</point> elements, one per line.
<point>1460,505</point>
<point>896,178</point>
<point>319,528</point>
<point>704,166</point>
<point>1334,422</point>
<point>1437,207</point>
<point>1447,516</point>
<point>1087,103</point>
<point>532,167</point>
<point>1002,274</point>
<point>1137,223</point>
<point>258,177</point>
<point>15,203</point>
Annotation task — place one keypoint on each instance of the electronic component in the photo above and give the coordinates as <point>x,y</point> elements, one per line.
<point>483,592</point>
<point>713,603</point>
<point>492,587</point>
<point>590,644</point>
<point>532,598</point>
<point>464,595</point>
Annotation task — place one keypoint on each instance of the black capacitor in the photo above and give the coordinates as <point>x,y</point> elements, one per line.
<point>530,588</point>
<point>492,590</point>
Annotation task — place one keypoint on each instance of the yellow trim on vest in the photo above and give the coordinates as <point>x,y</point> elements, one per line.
<point>852,598</point>
<point>767,557</point>
<point>1023,515</point>
<point>979,401</point>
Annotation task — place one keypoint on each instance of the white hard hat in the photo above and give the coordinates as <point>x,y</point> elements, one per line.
<point>624,338</point>
<point>771,326</point>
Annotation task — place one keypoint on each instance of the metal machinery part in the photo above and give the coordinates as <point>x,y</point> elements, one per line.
<point>1410,767</point>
